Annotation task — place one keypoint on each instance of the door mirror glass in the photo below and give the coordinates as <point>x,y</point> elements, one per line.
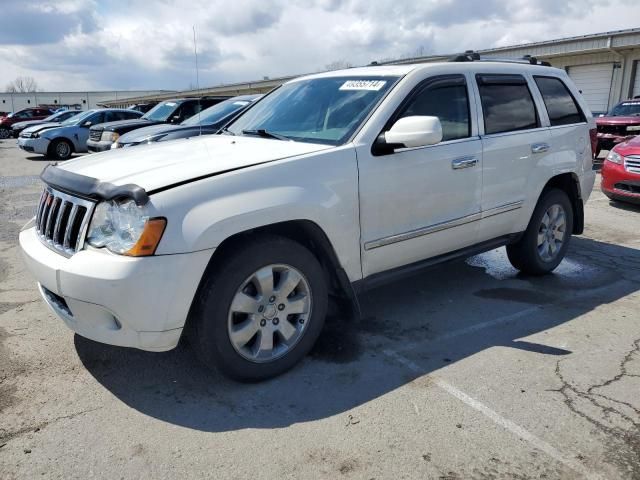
<point>87,124</point>
<point>415,131</point>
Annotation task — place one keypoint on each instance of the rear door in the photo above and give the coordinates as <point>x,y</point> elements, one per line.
<point>514,143</point>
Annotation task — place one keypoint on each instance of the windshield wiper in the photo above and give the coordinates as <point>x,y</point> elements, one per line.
<point>226,131</point>
<point>261,132</point>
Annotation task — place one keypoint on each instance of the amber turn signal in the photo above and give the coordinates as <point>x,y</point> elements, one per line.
<point>150,238</point>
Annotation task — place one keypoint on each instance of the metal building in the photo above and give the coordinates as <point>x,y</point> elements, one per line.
<point>604,66</point>
<point>12,102</point>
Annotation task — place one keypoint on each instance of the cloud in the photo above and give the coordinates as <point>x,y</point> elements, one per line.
<point>135,44</point>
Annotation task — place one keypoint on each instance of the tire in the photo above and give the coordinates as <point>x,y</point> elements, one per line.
<point>531,256</point>
<point>217,315</point>
<point>60,149</point>
<point>4,133</point>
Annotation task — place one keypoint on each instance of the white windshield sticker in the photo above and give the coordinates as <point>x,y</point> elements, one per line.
<point>241,103</point>
<point>630,103</point>
<point>363,85</point>
<point>170,104</point>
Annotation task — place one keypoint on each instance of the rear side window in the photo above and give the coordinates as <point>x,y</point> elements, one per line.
<point>447,99</point>
<point>561,106</point>
<point>507,104</point>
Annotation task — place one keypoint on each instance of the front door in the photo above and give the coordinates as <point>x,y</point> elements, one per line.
<point>417,203</point>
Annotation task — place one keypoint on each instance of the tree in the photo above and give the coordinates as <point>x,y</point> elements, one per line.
<point>22,85</point>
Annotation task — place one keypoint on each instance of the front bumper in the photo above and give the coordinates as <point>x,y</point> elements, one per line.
<point>619,184</point>
<point>34,145</point>
<point>130,302</point>
<point>606,141</point>
<point>98,145</point>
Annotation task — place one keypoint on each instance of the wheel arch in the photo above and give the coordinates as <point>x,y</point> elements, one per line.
<point>570,184</point>
<point>66,139</point>
<point>305,232</point>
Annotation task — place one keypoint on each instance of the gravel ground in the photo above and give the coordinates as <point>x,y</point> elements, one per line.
<point>469,370</point>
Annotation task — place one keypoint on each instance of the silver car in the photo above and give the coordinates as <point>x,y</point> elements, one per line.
<point>60,141</point>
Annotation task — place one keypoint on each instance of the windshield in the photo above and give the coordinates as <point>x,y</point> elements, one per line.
<point>320,110</point>
<point>216,113</point>
<point>161,112</point>
<point>626,109</point>
<point>78,118</point>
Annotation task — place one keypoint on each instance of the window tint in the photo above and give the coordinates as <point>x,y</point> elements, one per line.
<point>130,115</point>
<point>97,118</point>
<point>188,110</point>
<point>446,99</point>
<point>507,104</point>
<point>561,106</point>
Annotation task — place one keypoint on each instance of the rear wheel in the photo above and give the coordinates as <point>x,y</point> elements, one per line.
<point>60,149</point>
<point>261,311</point>
<point>545,242</point>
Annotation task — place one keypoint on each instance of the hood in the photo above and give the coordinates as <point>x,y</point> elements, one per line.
<point>123,126</point>
<point>29,123</point>
<point>630,147</point>
<point>630,120</point>
<point>140,134</point>
<point>39,127</point>
<point>166,163</point>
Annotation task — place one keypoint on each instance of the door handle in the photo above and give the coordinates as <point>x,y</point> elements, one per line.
<point>464,162</point>
<point>539,147</point>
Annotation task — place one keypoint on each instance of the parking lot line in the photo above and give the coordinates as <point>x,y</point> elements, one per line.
<point>498,419</point>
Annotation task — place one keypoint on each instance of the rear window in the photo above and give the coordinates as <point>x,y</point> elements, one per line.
<point>507,104</point>
<point>561,106</point>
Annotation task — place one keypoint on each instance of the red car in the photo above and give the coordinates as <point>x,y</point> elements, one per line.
<point>621,172</point>
<point>21,116</point>
<point>621,123</point>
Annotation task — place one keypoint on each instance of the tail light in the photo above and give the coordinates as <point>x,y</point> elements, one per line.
<point>593,136</point>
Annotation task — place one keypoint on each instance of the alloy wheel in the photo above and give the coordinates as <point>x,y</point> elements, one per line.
<point>552,232</point>
<point>269,313</point>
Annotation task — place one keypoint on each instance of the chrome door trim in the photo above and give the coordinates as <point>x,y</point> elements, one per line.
<point>438,227</point>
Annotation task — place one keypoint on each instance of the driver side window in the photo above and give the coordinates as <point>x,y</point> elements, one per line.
<point>446,98</point>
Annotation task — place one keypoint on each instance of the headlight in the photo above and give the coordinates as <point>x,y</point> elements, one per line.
<point>615,157</point>
<point>125,228</point>
<point>109,136</point>
<point>633,128</point>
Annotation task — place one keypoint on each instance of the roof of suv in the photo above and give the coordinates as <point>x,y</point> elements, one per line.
<point>401,70</point>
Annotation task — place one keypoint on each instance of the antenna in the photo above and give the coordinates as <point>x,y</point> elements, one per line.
<point>195,52</point>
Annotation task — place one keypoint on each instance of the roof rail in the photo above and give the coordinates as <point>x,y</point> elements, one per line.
<point>471,56</point>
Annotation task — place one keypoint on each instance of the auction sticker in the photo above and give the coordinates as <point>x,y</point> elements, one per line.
<point>363,85</point>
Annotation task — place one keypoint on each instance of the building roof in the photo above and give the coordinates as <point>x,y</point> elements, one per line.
<point>604,41</point>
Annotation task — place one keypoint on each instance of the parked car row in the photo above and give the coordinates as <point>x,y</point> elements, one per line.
<point>7,121</point>
<point>61,135</point>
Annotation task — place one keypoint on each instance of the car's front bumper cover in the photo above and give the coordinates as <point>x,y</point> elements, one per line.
<point>114,299</point>
<point>99,146</point>
<point>34,145</point>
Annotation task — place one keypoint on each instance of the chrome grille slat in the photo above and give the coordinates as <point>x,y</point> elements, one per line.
<point>632,163</point>
<point>70,222</point>
<point>62,221</point>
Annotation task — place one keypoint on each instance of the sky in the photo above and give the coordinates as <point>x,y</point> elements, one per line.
<point>142,44</point>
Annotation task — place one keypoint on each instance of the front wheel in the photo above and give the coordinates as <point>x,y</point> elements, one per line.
<point>546,239</point>
<point>261,311</point>
<point>60,149</point>
<point>4,133</point>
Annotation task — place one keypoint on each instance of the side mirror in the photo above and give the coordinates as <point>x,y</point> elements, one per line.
<point>175,119</point>
<point>87,124</point>
<point>416,131</point>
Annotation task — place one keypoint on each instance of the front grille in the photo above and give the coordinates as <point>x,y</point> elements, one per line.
<point>632,163</point>
<point>61,221</point>
<point>613,129</point>
<point>95,135</point>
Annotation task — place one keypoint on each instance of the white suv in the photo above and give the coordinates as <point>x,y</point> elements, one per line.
<point>329,184</point>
